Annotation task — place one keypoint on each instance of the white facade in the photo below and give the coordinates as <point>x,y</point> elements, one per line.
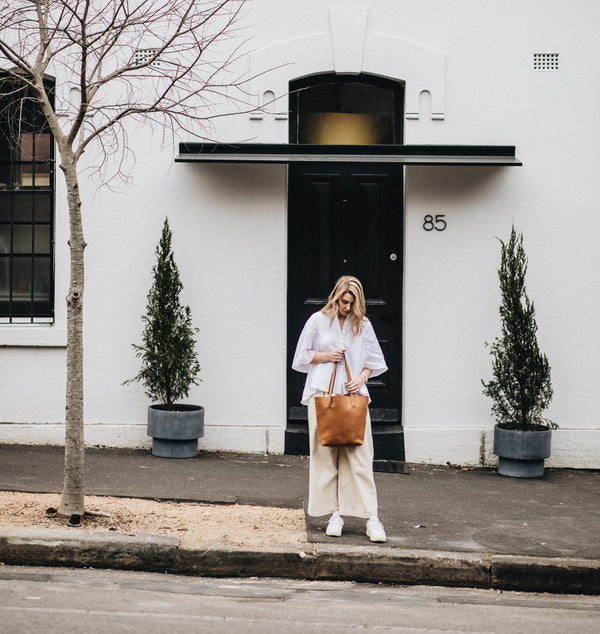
<point>470,79</point>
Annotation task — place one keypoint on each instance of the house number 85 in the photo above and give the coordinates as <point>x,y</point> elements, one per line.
<point>438,223</point>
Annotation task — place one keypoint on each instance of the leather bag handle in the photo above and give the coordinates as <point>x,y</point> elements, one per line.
<point>333,372</point>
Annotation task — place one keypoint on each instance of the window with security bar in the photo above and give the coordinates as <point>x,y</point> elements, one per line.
<point>26,208</point>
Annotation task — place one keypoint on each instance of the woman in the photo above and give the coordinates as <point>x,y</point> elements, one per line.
<point>341,478</point>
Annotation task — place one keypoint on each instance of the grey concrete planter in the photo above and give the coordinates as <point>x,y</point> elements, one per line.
<point>175,433</point>
<point>521,454</point>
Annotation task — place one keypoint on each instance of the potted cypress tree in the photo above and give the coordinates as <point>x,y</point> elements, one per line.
<point>521,388</point>
<point>169,360</point>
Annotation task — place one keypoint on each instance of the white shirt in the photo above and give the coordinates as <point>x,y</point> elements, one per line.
<point>320,334</point>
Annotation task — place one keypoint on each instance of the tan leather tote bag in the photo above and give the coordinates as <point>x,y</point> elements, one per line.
<point>341,419</point>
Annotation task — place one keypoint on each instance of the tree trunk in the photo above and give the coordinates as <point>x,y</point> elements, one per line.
<point>72,498</point>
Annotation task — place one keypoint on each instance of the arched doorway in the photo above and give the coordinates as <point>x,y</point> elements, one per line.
<point>347,219</point>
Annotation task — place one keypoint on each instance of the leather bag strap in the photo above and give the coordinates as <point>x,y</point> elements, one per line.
<point>333,372</point>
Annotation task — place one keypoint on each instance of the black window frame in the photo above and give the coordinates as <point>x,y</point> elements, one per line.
<point>27,205</point>
<point>338,82</point>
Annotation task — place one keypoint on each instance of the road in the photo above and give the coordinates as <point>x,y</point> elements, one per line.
<point>53,600</point>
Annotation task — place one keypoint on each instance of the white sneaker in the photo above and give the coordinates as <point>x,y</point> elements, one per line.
<point>375,530</point>
<point>334,526</point>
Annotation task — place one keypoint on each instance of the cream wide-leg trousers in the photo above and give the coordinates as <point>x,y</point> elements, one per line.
<point>340,478</point>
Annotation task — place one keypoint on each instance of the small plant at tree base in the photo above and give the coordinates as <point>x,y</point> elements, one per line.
<point>169,358</point>
<point>520,388</point>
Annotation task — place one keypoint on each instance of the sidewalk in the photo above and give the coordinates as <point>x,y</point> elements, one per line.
<point>445,526</point>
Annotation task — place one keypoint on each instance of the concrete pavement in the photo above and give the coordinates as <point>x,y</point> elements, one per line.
<point>445,526</point>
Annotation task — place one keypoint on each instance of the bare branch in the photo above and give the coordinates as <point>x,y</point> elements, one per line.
<point>194,72</point>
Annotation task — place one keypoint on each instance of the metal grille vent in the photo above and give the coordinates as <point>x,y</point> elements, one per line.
<point>545,61</point>
<point>143,55</point>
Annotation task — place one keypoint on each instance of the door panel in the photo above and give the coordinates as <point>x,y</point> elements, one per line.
<point>347,220</point>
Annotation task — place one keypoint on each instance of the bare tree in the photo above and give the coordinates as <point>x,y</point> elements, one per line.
<point>173,63</point>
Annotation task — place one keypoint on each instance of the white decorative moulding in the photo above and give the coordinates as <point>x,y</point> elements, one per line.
<point>349,47</point>
<point>269,107</point>
<point>348,28</point>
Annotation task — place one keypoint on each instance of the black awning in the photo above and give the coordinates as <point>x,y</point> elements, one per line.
<point>500,155</point>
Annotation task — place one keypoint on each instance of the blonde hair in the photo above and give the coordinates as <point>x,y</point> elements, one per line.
<point>348,284</point>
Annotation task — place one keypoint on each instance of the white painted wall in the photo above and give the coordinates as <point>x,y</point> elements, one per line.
<point>229,225</point>
<point>451,290</point>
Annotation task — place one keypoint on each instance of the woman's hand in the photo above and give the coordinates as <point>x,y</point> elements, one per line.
<point>331,356</point>
<point>356,383</point>
<point>337,355</point>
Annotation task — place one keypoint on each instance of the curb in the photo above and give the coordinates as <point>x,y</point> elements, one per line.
<point>151,553</point>
<point>98,549</point>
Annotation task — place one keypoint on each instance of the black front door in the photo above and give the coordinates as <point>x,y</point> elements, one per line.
<point>347,219</point>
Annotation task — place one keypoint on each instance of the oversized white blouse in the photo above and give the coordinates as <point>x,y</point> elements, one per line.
<point>320,334</point>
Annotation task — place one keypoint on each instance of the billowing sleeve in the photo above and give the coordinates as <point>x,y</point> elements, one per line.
<point>305,349</point>
<point>373,356</point>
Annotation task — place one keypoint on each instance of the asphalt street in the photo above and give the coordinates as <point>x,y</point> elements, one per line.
<point>52,601</point>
